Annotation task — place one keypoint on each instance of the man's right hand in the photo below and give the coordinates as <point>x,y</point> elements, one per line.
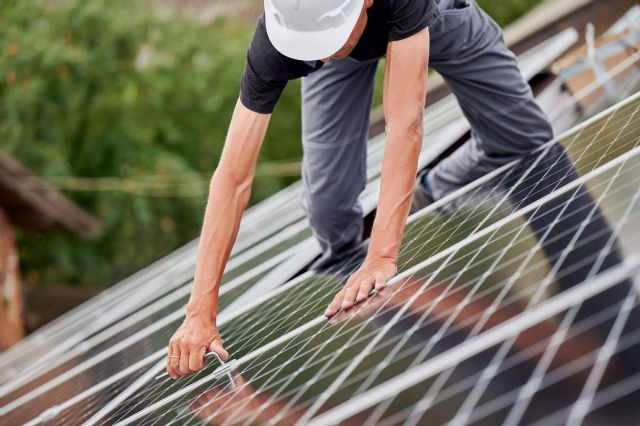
<point>194,338</point>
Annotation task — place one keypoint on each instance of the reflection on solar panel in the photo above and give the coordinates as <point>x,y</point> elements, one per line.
<point>514,303</point>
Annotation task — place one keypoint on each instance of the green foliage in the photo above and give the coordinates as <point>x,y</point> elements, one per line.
<point>105,88</point>
<point>506,11</point>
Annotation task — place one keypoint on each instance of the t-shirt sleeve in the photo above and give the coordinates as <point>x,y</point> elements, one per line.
<point>409,17</point>
<point>266,73</point>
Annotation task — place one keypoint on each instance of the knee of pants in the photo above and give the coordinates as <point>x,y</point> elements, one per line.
<point>334,226</point>
<point>333,178</point>
<point>331,212</point>
<point>515,136</point>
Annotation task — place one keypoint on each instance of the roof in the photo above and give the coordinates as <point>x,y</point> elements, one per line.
<point>33,204</point>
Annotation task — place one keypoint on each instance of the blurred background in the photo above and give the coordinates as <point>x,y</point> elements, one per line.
<point>113,114</point>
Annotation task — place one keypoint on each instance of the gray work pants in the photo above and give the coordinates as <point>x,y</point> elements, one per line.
<point>468,50</point>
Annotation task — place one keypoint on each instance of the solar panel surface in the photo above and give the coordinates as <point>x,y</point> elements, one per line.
<point>507,245</point>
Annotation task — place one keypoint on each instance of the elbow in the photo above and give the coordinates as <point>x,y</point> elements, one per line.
<point>409,129</point>
<point>237,185</point>
<point>414,128</point>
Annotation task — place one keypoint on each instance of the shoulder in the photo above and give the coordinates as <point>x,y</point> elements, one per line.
<point>407,17</point>
<point>269,64</point>
<point>261,52</point>
<point>267,72</point>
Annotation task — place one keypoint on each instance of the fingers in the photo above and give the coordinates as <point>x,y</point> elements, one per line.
<point>189,344</point>
<point>335,304</point>
<point>173,360</point>
<point>350,296</point>
<point>381,282</point>
<point>365,289</point>
<point>185,351</point>
<point>353,292</point>
<point>216,346</point>
<point>358,291</point>
<point>196,358</point>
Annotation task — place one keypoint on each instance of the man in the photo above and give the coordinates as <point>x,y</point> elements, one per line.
<point>335,45</point>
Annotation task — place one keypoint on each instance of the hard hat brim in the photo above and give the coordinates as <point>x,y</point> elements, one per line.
<point>309,45</point>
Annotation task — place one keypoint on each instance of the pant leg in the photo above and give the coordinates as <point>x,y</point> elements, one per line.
<point>336,103</point>
<point>468,50</point>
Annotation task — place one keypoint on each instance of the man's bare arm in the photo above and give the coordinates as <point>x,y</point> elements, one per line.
<point>229,194</point>
<point>404,97</point>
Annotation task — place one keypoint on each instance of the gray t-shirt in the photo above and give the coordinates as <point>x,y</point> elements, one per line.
<point>267,71</point>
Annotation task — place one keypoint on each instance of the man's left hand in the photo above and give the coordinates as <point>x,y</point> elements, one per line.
<point>374,273</point>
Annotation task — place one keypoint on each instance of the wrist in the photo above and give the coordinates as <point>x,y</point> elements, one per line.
<point>201,313</point>
<point>383,244</point>
<point>203,304</point>
<point>383,250</point>
<point>377,255</point>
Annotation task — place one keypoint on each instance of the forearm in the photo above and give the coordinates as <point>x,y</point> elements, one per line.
<point>404,97</point>
<point>398,180</point>
<point>221,221</point>
<point>229,195</point>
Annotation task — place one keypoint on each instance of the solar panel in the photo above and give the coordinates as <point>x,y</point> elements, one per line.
<point>503,258</point>
<point>285,350</point>
<point>282,321</point>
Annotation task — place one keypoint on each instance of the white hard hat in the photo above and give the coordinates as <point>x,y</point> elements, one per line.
<point>309,30</point>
